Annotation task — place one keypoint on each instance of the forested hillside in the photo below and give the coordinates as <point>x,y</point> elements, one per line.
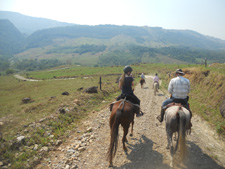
<point>103,45</point>
<point>11,40</point>
<point>142,35</point>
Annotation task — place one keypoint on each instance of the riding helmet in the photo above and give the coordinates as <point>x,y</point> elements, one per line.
<point>127,69</point>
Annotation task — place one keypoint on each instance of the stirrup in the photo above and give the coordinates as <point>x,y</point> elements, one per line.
<point>159,118</point>
<point>140,114</point>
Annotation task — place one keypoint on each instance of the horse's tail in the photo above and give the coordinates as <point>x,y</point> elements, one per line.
<point>114,136</point>
<point>181,133</point>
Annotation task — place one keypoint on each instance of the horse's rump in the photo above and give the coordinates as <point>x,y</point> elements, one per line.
<point>142,81</point>
<point>177,119</point>
<point>171,114</point>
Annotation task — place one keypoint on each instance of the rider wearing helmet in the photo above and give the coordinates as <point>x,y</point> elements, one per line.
<point>125,84</point>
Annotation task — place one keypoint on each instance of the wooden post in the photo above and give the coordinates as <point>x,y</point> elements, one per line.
<point>205,62</point>
<point>100,83</point>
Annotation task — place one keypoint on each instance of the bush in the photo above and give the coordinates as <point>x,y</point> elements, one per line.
<point>9,71</point>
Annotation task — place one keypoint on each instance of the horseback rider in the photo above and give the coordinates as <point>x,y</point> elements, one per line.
<point>142,76</point>
<point>179,87</point>
<point>125,84</point>
<point>156,80</point>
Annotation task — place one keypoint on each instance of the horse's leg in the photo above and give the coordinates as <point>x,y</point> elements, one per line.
<point>170,145</point>
<point>154,90</point>
<point>125,131</point>
<point>132,125</point>
<point>169,139</point>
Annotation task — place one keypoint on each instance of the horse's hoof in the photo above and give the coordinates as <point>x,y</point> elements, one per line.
<point>131,135</point>
<point>111,165</point>
<point>125,149</point>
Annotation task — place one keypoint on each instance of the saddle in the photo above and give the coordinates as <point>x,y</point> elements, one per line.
<point>178,102</point>
<point>136,107</point>
<point>173,104</point>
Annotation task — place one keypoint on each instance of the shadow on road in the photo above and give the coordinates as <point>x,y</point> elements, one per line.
<point>198,159</point>
<point>143,156</point>
<point>161,94</point>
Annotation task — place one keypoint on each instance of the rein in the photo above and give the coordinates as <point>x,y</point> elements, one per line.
<point>122,103</point>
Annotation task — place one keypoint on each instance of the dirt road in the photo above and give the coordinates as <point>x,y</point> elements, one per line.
<point>146,149</point>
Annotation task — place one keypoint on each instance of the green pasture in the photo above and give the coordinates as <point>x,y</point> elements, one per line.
<point>73,71</point>
<point>12,91</point>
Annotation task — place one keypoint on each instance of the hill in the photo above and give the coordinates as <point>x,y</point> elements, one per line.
<point>154,37</point>
<point>11,40</point>
<point>28,24</point>
<point>107,45</point>
<point>101,45</point>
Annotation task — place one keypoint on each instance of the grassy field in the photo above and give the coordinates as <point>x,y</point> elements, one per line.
<point>207,92</point>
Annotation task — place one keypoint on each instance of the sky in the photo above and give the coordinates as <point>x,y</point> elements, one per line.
<point>204,16</point>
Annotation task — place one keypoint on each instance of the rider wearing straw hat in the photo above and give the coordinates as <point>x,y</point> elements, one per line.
<point>179,87</point>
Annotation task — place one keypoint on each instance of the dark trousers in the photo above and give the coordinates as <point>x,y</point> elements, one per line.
<point>131,98</point>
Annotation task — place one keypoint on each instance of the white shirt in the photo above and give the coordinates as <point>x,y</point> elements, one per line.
<point>179,87</point>
<point>156,79</point>
<point>142,76</point>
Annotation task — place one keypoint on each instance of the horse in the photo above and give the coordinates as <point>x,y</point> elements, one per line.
<point>155,87</point>
<point>177,119</point>
<point>142,81</point>
<point>122,113</point>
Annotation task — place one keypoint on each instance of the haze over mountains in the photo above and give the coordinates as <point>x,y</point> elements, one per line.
<point>27,24</point>
<point>39,38</point>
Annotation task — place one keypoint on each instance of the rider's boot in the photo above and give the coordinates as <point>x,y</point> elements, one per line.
<point>138,111</point>
<point>111,106</point>
<point>160,117</point>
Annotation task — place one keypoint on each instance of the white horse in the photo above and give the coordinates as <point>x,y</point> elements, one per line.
<point>177,119</point>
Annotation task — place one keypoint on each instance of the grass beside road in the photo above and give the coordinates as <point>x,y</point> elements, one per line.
<point>24,119</point>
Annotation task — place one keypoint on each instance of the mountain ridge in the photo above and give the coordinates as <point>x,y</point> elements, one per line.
<point>107,45</point>
<point>28,24</point>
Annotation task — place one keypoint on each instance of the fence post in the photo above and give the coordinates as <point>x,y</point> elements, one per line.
<point>100,83</point>
<point>205,62</point>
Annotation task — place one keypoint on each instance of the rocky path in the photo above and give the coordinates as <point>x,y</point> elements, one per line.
<point>24,79</point>
<point>87,147</point>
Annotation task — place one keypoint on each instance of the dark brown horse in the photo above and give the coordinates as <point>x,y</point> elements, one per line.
<point>122,113</point>
<point>142,81</point>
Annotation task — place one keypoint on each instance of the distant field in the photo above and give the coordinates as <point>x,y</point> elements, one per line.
<point>73,71</point>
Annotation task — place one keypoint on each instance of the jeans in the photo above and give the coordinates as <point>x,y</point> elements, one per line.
<point>184,102</point>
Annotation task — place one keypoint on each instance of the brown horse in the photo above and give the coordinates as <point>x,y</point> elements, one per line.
<point>122,113</point>
<point>142,81</point>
